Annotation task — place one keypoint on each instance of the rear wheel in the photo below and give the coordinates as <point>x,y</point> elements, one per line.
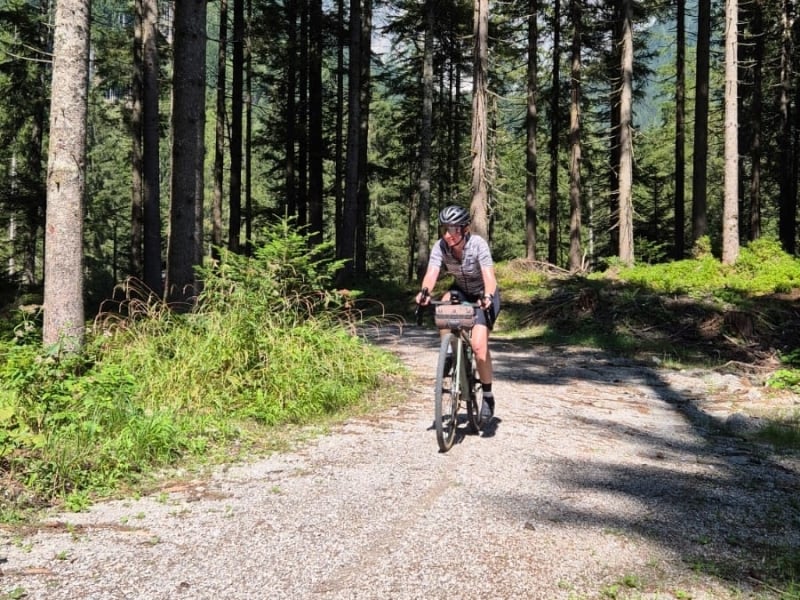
<point>446,398</point>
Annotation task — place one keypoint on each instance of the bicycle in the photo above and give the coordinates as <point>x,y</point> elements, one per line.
<point>457,383</point>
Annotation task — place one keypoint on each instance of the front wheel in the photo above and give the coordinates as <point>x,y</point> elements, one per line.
<point>446,397</point>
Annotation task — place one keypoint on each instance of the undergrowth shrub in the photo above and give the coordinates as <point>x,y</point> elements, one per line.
<point>267,344</point>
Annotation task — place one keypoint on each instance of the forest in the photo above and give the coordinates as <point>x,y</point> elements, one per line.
<point>579,133</point>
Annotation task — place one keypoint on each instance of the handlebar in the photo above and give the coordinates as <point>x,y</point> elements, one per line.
<point>419,311</point>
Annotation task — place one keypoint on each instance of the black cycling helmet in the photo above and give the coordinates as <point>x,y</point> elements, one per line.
<point>454,215</point>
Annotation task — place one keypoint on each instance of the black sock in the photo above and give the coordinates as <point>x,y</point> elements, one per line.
<point>487,388</point>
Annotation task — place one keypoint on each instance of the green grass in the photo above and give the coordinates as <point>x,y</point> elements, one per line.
<point>268,349</point>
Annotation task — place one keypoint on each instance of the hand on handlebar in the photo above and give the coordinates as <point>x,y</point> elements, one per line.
<point>423,298</point>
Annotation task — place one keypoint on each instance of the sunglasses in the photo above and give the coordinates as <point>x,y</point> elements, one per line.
<point>451,229</point>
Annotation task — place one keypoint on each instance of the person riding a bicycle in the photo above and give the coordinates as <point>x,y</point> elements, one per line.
<point>467,257</point>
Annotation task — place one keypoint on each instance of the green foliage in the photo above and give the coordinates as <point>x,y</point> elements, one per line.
<point>267,345</point>
<point>762,268</point>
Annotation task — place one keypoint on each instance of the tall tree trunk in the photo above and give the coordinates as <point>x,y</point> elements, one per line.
<point>338,142</point>
<point>137,158</point>
<point>787,227</point>
<point>680,131</point>
<point>219,147</point>
<point>754,224</point>
<point>316,141</point>
<point>615,124</point>
<point>151,141</point>
<point>626,252</point>
<point>66,178</point>
<point>363,164</point>
<point>302,118</point>
<point>347,246</point>
<point>248,143</point>
<point>290,165</point>
<point>425,150</point>
<point>555,127</point>
<point>575,258</point>
<point>479,205</point>
<point>730,217</point>
<point>237,107</point>
<point>184,250</point>
<point>531,125</point>
<point>700,160</point>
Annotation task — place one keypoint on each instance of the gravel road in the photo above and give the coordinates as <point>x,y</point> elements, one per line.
<point>599,478</point>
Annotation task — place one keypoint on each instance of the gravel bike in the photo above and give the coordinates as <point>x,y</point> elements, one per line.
<point>457,380</point>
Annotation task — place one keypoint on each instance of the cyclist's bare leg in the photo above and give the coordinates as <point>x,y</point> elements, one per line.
<point>480,346</point>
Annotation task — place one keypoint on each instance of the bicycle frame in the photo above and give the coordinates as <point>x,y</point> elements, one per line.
<point>458,386</point>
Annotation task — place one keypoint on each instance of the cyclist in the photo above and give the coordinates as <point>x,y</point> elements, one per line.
<point>466,256</point>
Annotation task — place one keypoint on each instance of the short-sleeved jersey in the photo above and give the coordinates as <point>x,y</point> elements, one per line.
<point>467,271</point>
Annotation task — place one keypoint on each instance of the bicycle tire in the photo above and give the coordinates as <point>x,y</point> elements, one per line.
<point>474,398</point>
<point>446,399</point>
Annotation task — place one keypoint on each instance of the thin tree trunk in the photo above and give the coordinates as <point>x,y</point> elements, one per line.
<point>290,167</point>
<point>425,150</point>
<point>555,127</point>
<point>754,225</point>
<point>137,159</point>
<point>347,246</point>
<point>219,147</point>
<point>575,258</point>
<point>362,233</point>
<point>626,252</point>
<point>700,160</point>
<point>531,123</point>
<point>338,142</point>
<point>479,205</point>
<point>302,118</point>
<point>316,141</point>
<point>237,104</point>
<point>151,140</point>
<point>787,227</point>
<point>730,218</point>
<point>680,132</point>
<point>66,178</point>
<point>248,144</point>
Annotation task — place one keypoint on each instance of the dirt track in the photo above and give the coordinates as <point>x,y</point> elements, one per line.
<point>600,478</point>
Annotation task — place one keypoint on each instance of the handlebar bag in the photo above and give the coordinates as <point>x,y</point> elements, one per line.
<point>454,316</point>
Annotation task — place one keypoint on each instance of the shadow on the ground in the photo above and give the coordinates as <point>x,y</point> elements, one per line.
<point>736,520</point>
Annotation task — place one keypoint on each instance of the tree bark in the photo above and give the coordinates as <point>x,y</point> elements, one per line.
<point>626,251</point>
<point>219,148</point>
<point>66,178</point>
<point>316,140</point>
<point>425,150</point>
<point>347,247</point>
<point>151,141</point>
<point>237,107</point>
<point>137,158</point>
<point>700,160</point>
<point>365,63</point>
<point>531,125</point>
<point>479,205</point>
<point>730,218</point>
<point>787,228</point>
<point>575,258</point>
<point>184,250</point>
<point>555,127</point>
<point>680,131</point>
<point>754,196</point>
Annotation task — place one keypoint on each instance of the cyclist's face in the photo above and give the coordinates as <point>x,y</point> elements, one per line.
<point>453,235</point>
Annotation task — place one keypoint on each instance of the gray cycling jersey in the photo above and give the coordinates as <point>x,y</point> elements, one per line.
<point>467,271</point>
